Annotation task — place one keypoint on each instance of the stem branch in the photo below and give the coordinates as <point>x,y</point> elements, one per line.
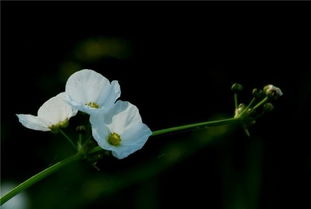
<point>46,172</point>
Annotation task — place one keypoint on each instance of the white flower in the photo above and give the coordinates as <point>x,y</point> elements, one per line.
<point>121,130</point>
<point>90,92</point>
<point>53,114</point>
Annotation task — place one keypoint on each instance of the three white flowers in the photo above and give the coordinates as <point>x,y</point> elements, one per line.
<point>116,126</point>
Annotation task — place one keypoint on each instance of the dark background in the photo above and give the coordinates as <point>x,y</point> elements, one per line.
<point>176,62</point>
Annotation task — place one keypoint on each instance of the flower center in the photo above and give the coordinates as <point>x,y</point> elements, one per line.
<point>92,105</point>
<point>114,139</point>
<point>61,124</point>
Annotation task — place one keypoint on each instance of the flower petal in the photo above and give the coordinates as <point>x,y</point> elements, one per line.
<point>100,134</point>
<point>108,100</point>
<point>87,86</point>
<point>123,115</point>
<point>32,122</point>
<point>132,140</point>
<point>56,110</point>
<point>136,134</point>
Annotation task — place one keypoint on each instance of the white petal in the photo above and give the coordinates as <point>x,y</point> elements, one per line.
<point>87,86</point>
<point>136,134</point>
<point>107,100</point>
<point>82,107</point>
<point>132,140</point>
<point>121,154</point>
<point>100,133</point>
<point>56,110</point>
<point>32,122</point>
<point>124,114</point>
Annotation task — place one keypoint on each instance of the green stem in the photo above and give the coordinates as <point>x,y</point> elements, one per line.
<point>39,176</point>
<point>248,107</point>
<point>228,121</point>
<point>57,166</point>
<point>261,103</point>
<point>196,125</point>
<point>68,138</point>
<point>235,100</point>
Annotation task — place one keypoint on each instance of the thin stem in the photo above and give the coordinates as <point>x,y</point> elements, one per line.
<point>251,103</point>
<point>261,103</point>
<point>79,144</point>
<point>78,156</point>
<point>235,96</point>
<point>195,125</point>
<point>87,141</point>
<point>248,106</point>
<point>39,176</point>
<point>184,127</point>
<point>80,138</point>
<point>68,138</point>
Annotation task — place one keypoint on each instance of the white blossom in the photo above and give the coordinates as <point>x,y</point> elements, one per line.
<point>120,130</point>
<point>91,92</point>
<point>53,114</point>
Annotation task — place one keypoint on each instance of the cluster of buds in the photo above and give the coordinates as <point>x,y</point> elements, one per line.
<point>260,103</point>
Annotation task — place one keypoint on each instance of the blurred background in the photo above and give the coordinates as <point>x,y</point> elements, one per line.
<point>176,62</point>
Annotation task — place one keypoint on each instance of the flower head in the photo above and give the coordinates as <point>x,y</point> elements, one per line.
<point>121,130</point>
<point>53,114</point>
<point>272,91</point>
<point>90,92</point>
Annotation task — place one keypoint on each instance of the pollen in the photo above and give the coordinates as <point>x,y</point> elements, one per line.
<point>114,139</point>
<point>92,105</point>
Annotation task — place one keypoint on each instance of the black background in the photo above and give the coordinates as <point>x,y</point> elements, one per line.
<point>184,58</point>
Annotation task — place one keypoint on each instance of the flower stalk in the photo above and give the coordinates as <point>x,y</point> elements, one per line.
<point>80,155</point>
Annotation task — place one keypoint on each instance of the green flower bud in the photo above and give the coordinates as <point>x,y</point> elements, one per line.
<point>80,129</point>
<point>236,87</point>
<point>268,107</point>
<point>257,93</point>
<point>239,110</point>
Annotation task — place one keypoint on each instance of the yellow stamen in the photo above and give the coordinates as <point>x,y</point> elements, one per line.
<point>92,105</point>
<point>62,124</point>
<point>114,139</point>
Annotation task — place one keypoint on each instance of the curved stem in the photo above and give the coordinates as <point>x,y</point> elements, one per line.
<point>39,176</point>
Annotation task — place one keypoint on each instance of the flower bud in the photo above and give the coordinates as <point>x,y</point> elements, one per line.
<point>236,87</point>
<point>257,93</point>
<point>80,129</point>
<point>272,91</point>
<point>239,110</point>
<point>268,107</point>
